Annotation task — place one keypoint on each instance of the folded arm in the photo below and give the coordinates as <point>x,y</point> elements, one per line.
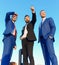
<point>7,18</point>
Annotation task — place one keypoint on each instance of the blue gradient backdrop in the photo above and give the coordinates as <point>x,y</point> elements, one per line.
<point>22,7</point>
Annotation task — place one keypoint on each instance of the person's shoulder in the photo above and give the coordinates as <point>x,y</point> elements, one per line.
<point>10,23</point>
<point>23,26</point>
<point>50,18</point>
<point>30,24</point>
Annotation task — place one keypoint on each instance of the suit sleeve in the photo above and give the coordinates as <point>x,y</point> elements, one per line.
<point>9,28</point>
<point>33,18</point>
<point>7,18</point>
<point>38,36</point>
<point>52,27</point>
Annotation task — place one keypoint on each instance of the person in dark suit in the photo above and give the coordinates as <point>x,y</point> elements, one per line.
<point>28,37</point>
<point>47,30</point>
<point>9,39</point>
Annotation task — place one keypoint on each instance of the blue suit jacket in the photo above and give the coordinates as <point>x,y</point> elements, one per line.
<point>9,28</point>
<point>8,23</point>
<point>48,28</point>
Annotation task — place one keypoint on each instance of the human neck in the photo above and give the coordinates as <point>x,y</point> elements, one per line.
<point>43,18</point>
<point>12,21</point>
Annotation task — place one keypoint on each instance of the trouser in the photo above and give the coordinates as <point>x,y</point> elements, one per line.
<point>48,51</point>
<point>27,47</point>
<point>7,52</point>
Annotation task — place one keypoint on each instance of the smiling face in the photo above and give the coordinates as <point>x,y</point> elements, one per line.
<point>27,19</point>
<point>14,17</point>
<point>43,14</point>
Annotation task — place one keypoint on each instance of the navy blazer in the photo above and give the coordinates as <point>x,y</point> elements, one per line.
<point>48,28</point>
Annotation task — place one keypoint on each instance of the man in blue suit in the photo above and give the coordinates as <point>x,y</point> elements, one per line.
<point>9,39</point>
<point>46,38</point>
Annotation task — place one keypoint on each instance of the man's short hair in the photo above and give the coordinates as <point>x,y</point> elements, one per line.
<point>26,16</point>
<point>42,10</point>
<point>15,14</point>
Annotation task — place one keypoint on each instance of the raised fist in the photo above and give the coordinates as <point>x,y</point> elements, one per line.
<point>32,9</point>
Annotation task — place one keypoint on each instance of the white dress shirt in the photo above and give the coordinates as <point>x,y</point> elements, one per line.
<point>25,33</point>
<point>14,31</point>
<point>43,19</point>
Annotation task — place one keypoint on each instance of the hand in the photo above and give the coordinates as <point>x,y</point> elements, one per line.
<point>50,37</point>
<point>21,38</point>
<point>32,9</point>
<point>14,47</point>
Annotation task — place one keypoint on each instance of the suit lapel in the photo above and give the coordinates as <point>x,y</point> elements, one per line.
<point>44,22</point>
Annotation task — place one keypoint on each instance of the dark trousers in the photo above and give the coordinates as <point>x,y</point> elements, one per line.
<point>27,47</point>
<point>48,51</point>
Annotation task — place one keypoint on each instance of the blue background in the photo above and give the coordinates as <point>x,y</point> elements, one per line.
<point>22,7</point>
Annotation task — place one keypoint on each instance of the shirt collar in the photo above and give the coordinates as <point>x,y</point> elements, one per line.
<point>43,19</point>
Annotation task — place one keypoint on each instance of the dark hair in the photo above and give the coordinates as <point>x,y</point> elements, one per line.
<point>26,16</point>
<point>42,10</point>
<point>15,14</point>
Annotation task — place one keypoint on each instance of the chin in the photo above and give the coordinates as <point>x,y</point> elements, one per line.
<point>43,16</point>
<point>27,21</point>
<point>14,20</point>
